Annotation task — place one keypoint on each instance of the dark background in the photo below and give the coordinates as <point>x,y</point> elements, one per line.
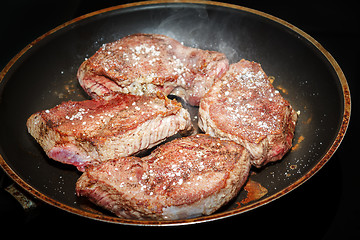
<point>325,207</point>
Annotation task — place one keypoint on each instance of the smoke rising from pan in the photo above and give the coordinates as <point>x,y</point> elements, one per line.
<point>202,29</point>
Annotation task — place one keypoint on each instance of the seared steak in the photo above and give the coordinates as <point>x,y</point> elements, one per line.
<point>81,133</point>
<point>244,107</point>
<point>147,63</point>
<point>184,178</point>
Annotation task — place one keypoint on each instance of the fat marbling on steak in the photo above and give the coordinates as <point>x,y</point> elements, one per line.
<point>86,132</point>
<point>146,63</point>
<point>184,178</point>
<point>244,106</point>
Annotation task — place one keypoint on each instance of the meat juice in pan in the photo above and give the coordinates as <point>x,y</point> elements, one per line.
<point>105,87</point>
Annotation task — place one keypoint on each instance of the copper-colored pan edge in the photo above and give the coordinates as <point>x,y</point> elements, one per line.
<point>320,164</point>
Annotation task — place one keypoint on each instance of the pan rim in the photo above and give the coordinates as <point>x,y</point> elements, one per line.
<point>113,219</point>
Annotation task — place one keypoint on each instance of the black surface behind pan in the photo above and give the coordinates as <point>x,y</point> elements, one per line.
<point>44,74</point>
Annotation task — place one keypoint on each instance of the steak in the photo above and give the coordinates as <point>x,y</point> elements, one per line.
<point>146,63</point>
<point>85,132</point>
<point>244,107</point>
<point>184,178</point>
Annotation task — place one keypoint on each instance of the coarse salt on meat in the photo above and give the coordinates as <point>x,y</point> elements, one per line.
<point>257,116</point>
<point>173,182</point>
<point>147,63</point>
<point>91,131</point>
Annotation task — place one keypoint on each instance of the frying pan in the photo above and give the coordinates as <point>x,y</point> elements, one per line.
<point>43,74</point>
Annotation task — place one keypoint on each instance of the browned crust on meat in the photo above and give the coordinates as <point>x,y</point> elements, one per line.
<point>244,106</point>
<point>81,119</point>
<point>250,107</point>
<point>96,130</point>
<point>144,63</point>
<point>186,177</point>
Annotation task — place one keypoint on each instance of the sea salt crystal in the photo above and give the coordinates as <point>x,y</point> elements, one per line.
<point>201,167</point>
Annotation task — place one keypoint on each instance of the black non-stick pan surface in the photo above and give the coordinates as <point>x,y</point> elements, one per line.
<point>44,74</point>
